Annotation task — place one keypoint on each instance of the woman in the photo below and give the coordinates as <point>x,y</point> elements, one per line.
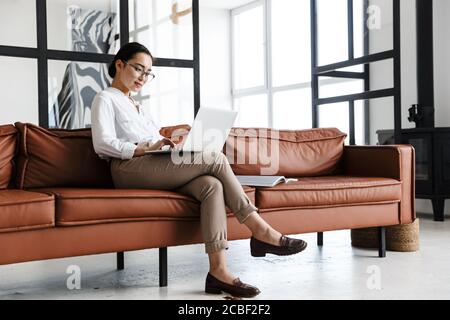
<point>122,134</point>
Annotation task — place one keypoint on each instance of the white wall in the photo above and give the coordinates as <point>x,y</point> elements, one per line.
<point>215,58</point>
<point>441,62</point>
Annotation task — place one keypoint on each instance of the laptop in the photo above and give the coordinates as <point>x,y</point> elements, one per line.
<point>209,132</point>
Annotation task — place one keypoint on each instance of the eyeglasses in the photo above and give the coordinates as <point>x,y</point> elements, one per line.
<point>147,74</point>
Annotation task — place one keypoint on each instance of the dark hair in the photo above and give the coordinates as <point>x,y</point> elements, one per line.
<point>127,52</point>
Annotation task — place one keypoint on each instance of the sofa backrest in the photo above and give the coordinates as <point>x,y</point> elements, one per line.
<point>8,144</point>
<point>59,158</point>
<point>291,153</point>
<point>65,158</point>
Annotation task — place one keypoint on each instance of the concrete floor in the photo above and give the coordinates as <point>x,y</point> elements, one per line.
<point>336,271</point>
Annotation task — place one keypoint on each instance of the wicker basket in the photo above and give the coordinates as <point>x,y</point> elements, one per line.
<point>403,238</point>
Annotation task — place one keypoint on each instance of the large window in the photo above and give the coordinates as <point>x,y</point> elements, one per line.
<point>170,99</point>
<point>352,38</point>
<point>271,43</point>
<point>332,33</point>
<point>271,68</point>
<point>13,30</point>
<point>275,82</point>
<point>166,28</point>
<point>19,90</point>
<point>249,51</point>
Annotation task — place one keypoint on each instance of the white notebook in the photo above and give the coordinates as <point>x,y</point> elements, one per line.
<point>263,181</point>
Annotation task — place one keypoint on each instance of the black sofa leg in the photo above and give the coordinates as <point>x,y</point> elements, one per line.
<point>382,242</point>
<point>163,267</point>
<point>120,261</point>
<point>320,239</point>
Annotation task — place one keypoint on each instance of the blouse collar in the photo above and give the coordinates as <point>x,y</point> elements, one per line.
<point>115,90</point>
<point>130,99</point>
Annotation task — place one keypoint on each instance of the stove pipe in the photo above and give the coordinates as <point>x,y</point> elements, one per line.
<point>423,113</point>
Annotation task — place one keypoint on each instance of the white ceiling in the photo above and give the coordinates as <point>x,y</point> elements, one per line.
<point>223,4</point>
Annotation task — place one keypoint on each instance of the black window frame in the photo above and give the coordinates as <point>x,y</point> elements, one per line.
<point>331,70</point>
<point>42,54</point>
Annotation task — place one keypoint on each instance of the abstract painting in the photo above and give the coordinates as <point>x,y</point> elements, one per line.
<point>91,31</point>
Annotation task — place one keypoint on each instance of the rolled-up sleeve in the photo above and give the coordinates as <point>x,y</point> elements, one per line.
<point>104,137</point>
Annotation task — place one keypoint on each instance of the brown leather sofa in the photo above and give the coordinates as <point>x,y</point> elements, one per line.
<point>57,198</point>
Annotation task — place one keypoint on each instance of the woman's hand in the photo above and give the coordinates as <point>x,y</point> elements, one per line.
<point>147,146</point>
<point>158,144</point>
<point>178,139</point>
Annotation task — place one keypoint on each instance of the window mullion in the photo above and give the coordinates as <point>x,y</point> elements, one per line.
<point>249,91</point>
<point>41,29</point>
<point>295,86</point>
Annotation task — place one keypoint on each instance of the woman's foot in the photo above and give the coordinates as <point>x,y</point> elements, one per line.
<point>268,235</point>
<point>237,288</point>
<point>261,230</point>
<point>285,247</point>
<point>266,239</point>
<point>220,280</point>
<point>223,275</point>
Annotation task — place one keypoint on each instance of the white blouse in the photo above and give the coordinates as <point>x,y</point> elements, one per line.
<point>118,124</point>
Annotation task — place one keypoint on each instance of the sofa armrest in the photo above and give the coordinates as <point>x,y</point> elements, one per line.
<point>388,161</point>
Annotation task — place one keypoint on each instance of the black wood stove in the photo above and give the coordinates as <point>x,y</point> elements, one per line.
<point>432,147</point>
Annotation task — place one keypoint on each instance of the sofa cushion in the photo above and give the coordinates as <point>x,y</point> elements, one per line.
<point>59,158</point>
<point>8,138</point>
<point>295,153</point>
<point>93,206</point>
<point>330,191</point>
<point>23,210</point>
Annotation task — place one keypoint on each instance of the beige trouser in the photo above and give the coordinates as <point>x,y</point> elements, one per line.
<point>207,178</point>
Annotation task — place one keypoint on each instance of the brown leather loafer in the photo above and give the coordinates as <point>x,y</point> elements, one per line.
<point>287,247</point>
<point>237,289</point>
